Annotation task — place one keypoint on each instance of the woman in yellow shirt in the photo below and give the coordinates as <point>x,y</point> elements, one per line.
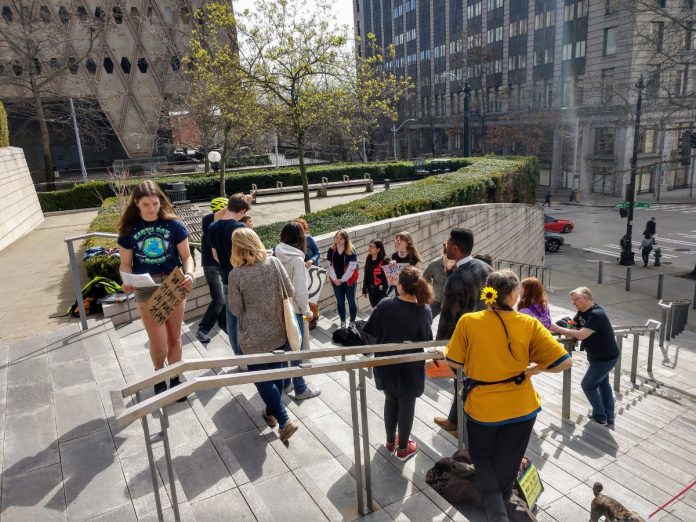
<point>500,349</point>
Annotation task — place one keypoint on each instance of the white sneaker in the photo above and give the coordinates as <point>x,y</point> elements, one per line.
<point>343,324</point>
<point>351,324</point>
<point>309,393</point>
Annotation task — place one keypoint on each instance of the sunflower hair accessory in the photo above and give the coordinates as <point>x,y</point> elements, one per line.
<point>489,295</point>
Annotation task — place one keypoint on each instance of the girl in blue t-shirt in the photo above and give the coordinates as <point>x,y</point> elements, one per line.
<point>153,241</point>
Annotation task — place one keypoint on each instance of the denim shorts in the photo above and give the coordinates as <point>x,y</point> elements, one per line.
<point>142,294</point>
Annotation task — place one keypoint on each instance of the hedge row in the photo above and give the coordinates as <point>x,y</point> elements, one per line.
<point>201,187</point>
<point>486,180</point>
<point>4,128</point>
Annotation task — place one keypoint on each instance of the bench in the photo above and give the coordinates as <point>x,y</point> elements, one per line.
<point>321,188</point>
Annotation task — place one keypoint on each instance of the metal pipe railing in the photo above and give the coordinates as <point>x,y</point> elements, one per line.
<point>543,273</point>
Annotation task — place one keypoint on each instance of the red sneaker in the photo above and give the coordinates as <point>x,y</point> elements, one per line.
<point>391,448</point>
<point>407,452</point>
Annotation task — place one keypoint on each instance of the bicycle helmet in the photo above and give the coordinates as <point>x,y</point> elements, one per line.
<point>218,204</point>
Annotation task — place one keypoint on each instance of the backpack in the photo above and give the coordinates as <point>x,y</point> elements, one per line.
<point>349,336</point>
<point>91,293</point>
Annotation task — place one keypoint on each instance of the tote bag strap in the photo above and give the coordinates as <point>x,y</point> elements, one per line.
<point>279,275</point>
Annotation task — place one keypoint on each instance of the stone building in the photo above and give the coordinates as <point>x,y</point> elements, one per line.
<point>565,69</point>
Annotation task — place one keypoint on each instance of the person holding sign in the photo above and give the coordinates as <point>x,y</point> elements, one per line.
<point>343,275</point>
<point>500,350</point>
<point>406,251</point>
<point>398,319</point>
<point>153,241</point>
<point>374,281</point>
<point>256,298</point>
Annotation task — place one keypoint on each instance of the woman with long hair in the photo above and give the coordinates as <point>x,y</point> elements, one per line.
<point>291,253</point>
<point>500,350</point>
<point>406,251</point>
<point>256,298</point>
<point>534,302</point>
<point>374,281</point>
<point>401,318</point>
<point>436,274</point>
<point>153,241</point>
<point>343,275</point>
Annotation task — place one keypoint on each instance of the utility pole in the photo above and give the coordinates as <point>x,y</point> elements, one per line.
<point>77,139</point>
<point>626,242</point>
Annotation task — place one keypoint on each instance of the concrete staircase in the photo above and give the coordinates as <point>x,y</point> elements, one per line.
<point>63,459</point>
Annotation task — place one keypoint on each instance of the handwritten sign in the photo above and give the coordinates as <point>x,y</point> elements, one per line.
<point>392,272</point>
<point>529,482</point>
<point>316,276</point>
<point>167,296</point>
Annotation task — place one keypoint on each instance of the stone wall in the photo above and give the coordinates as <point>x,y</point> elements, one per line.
<point>508,231</point>
<point>20,211</point>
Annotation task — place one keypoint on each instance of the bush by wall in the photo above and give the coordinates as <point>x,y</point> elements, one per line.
<point>4,128</point>
<point>485,180</point>
<point>200,188</point>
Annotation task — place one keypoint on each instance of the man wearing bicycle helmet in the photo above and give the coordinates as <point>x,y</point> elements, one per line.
<point>213,276</point>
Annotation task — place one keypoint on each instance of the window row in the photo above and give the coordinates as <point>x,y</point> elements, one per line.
<point>494,35</point>
<point>90,65</point>
<point>547,19</point>
<point>580,48</point>
<point>575,10</point>
<point>64,15</point>
<point>518,27</point>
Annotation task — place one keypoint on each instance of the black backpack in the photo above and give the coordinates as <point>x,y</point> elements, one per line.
<point>349,336</point>
<point>91,293</point>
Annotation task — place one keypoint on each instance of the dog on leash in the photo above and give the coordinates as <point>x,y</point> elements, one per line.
<point>611,509</point>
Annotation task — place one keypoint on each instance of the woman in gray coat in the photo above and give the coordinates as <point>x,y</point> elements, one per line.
<point>256,298</point>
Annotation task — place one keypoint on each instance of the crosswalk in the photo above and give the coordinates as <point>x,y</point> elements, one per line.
<point>673,207</point>
<point>671,247</point>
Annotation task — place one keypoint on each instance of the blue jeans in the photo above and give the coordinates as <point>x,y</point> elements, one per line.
<point>231,325</point>
<point>215,311</point>
<point>271,393</point>
<point>343,292</point>
<point>598,390</point>
<point>298,382</point>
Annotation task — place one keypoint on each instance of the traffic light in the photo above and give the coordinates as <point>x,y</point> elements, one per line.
<point>685,140</point>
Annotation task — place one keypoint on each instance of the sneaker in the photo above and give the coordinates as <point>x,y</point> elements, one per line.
<point>202,336</point>
<point>445,424</point>
<point>603,422</point>
<point>406,453</point>
<point>309,393</point>
<point>288,388</point>
<point>312,324</point>
<point>391,446</point>
<point>270,419</point>
<point>610,422</point>
<point>175,381</point>
<point>343,324</point>
<point>160,387</point>
<point>288,431</point>
<point>351,324</point>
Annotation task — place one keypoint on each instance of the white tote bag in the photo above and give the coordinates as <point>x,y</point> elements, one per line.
<point>292,330</point>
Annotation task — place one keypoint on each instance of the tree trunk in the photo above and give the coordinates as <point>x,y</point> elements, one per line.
<point>45,137</point>
<point>223,159</point>
<point>303,172</point>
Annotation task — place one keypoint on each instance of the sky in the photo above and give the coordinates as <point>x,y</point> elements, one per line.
<point>343,9</point>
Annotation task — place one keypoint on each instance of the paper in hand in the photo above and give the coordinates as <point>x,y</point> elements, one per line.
<point>138,280</point>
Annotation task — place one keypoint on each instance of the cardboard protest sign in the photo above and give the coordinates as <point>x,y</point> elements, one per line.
<point>529,482</point>
<point>167,296</point>
<point>316,277</point>
<point>392,272</point>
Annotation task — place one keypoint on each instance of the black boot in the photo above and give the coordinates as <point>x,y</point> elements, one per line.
<point>174,381</point>
<point>160,387</point>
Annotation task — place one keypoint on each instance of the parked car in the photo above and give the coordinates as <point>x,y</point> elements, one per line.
<point>553,241</point>
<point>552,224</point>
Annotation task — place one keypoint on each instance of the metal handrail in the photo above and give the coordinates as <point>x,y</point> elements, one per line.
<point>75,272</point>
<point>531,270</point>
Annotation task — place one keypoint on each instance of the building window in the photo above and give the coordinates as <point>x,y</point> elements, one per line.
<point>568,12</point>
<point>548,55</point>
<point>474,10</point>
<point>580,48</point>
<point>108,65</point>
<point>409,5</point>
<point>72,65</point>
<point>550,18</point>
<point>579,91</point>
<point>657,30</point>
<point>609,41</point>
<point>607,86</point>
<point>604,141</point>
<point>7,14</point>
<point>647,139</point>
<point>63,15</point>
<point>652,80</point>
<point>495,4</point>
<point>611,6</point>
<point>44,14</point>
<point>679,80</point>
<point>567,51</point>
<point>118,15</point>
<point>548,93</point>
<point>583,8</point>
<point>125,65</point>
<point>91,66</point>
<point>687,38</point>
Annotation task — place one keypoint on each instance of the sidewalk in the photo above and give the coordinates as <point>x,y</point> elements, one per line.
<point>560,197</point>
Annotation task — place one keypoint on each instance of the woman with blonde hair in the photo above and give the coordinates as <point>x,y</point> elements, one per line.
<point>343,275</point>
<point>534,302</point>
<point>152,240</point>
<point>256,298</point>
<point>500,350</point>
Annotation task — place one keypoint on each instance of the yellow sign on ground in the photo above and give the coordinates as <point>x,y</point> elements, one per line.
<point>530,485</point>
<point>167,296</point>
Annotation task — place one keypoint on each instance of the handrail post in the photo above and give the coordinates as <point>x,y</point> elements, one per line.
<point>634,360</point>
<point>164,419</point>
<point>356,442</point>
<point>663,328</point>
<point>365,438</point>
<point>151,461</point>
<point>76,283</point>
<point>617,368</point>
<point>567,385</point>
<point>460,409</point>
<point>660,285</point>
<point>651,349</point>
<point>668,330</point>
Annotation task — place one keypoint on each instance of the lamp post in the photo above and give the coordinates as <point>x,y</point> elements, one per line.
<point>626,243</point>
<point>465,123</point>
<point>396,129</point>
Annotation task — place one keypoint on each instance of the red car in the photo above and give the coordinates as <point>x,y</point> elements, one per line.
<point>552,224</point>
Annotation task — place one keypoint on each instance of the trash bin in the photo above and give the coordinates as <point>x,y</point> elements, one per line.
<point>176,192</point>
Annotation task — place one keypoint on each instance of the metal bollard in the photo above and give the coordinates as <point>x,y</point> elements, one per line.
<point>600,273</point>
<point>651,348</point>
<point>628,278</point>
<point>660,285</point>
<point>387,182</point>
<point>567,386</point>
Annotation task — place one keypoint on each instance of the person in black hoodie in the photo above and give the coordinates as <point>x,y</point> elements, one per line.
<point>375,282</point>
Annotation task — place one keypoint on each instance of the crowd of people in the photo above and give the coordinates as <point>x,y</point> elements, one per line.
<point>499,329</point>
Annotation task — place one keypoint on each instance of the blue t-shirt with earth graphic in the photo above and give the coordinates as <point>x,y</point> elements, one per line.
<point>154,245</point>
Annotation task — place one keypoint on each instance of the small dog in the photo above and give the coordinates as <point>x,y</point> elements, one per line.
<point>611,509</point>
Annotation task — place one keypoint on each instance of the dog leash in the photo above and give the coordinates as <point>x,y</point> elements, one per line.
<point>675,497</point>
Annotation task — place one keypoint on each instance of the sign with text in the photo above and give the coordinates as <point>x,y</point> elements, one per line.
<point>529,482</point>
<point>316,276</point>
<point>167,296</point>
<point>392,271</point>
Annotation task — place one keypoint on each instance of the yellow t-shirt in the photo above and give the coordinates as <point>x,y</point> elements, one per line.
<point>479,343</point>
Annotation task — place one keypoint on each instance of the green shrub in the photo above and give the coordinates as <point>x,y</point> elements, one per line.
<point>105,266</point>
<point>485,180</point>
<point>4,128</point>
<point>84,195</point>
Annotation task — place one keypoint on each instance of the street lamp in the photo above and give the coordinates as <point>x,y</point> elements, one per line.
<point>396,129</point>
<point>465,125</point>
<point>626,243</point>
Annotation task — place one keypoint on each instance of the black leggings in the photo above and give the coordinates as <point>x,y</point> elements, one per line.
<point>399,411</point>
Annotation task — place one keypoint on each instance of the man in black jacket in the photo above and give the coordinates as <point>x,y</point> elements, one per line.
<point>461,296</point>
